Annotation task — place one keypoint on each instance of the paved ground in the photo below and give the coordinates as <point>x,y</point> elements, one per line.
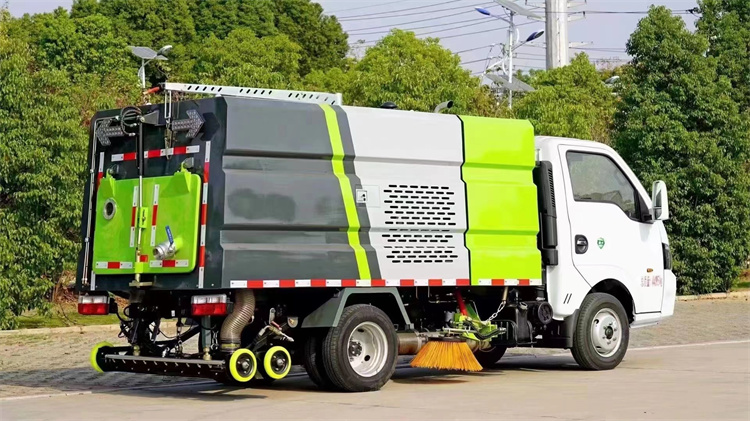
<point>66,359</point>
<point>707,382</point>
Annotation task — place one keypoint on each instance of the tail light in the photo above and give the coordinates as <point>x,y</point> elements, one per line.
<point>209,305</point>
<point>93,305</point>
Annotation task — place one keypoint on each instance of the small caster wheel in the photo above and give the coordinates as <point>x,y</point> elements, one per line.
<point>276,363</point>
<point>97,355</point>
<point>241,366</point>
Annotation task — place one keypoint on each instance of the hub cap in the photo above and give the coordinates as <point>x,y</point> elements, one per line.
<point>368,349</point>
<point>606,332</point>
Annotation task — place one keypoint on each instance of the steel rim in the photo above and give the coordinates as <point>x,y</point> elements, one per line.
<point>606,332</point>
<point>367,349</point>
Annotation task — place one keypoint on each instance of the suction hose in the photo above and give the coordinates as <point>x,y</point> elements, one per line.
<point>242,315</point>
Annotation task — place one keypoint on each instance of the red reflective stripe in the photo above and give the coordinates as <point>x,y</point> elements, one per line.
<point>407,282</point>
<point>286,283</point>
<point>435,282</point>
<point>205,172</point>
<point>348,283</point>
<point>168,263</point>
<point>99,179</point>
<point>524,282</point>
<point>132,217</point>
<point>143,258</point>
<point>180,150</point>
<point>130,156</point>
<point>463,282</point>
<point>204,212</point>
<point>155,153</point>
<point>153,216</point>
<point>255,284</point>
<point>498,282</point>
<point>202,258</point>
<point>377,282</point>
<point>317,283</point>
<point>113,265</point>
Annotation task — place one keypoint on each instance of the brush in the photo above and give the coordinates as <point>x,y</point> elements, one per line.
<point>446,353</point>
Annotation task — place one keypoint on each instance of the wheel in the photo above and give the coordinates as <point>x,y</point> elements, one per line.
<point>312,352</point>
<point>276,363</point>
<point>602,333</point>
<point>490,356</point>
<point>360,353</point>
<point>242,366</point>
<point>97,355</point>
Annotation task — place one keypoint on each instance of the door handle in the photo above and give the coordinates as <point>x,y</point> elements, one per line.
<point>582,244</point>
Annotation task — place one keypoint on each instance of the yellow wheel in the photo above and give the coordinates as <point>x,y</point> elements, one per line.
<point>276,363</point>
<point>242,365</point>
<point>95,357</point>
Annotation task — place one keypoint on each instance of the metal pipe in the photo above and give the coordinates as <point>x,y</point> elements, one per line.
<point>409,343</point>
<point>242,315</point>
<point>443,105</point>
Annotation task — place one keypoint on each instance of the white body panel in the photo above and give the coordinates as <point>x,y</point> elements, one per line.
<point>418,225</point>
<point>630,251</point>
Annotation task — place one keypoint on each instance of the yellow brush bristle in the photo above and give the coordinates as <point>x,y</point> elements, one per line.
<point>446,355</point>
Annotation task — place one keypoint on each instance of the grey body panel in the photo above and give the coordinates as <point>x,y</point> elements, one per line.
<point>328,314</point>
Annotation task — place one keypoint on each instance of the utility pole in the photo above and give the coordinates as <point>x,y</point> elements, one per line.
<point>556,28</point>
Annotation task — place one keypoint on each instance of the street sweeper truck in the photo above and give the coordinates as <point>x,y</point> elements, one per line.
<point>281,227</point>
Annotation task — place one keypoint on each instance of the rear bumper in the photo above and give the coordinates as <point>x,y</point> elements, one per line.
<point>112,359</point>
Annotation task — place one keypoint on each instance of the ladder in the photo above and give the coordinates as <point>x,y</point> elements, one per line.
<point>261,93</point>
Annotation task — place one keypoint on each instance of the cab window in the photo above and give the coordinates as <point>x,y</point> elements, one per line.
<point>596,178</point>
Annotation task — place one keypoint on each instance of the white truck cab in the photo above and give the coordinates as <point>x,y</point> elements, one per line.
<point>611,231</point>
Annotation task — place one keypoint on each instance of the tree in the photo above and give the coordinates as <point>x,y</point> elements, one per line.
<point>726,24</point>
<point>40,173</point>
<point>242,59</point>
<point>416,74</point>
<point>677,122</point>
<point>569,101</point>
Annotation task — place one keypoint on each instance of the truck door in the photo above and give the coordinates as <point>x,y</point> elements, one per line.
<point>610,238</point>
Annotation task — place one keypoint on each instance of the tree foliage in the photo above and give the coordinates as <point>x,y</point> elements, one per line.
<point>678,122</point>
<point>569,101</point>
<point>726,24</point>
<point>416,74</point>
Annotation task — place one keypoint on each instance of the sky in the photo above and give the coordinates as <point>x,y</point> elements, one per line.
<point>460,28</point>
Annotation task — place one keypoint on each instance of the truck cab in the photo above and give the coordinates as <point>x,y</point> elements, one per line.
<point>612,236</point>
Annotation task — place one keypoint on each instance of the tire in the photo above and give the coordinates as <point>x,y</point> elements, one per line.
<point>600,316</point>
<point>489,357</point>
<point>312,360</point>
<point>370,330</point>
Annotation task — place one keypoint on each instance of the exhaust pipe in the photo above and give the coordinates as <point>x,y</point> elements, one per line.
<point>242,315</point>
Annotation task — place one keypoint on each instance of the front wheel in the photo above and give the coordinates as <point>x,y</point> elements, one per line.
<point>360,353</point>
<point>602,333</point>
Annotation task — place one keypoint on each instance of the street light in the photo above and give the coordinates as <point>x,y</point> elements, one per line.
<point>147,55</point>
<point>513,35</point>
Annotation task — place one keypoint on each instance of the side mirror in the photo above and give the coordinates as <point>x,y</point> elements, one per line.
<point>659,201</point>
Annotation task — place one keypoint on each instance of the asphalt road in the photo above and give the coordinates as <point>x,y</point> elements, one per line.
<point>693,381</point>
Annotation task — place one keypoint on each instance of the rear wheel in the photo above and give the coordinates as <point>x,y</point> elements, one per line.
<point>360,353</point>
<point>490,356</point>
<point>312,360</point>
<point>602,333</point>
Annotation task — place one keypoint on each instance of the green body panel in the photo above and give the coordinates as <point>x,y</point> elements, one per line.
<point>178,208</point>
<point>112,237</point>
<point>501,199</point>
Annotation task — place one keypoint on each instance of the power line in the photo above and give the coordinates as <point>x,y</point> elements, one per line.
<point>372,42</point>
<point>357,31</point>
<point>398,10</point>
<point>365,7</point>
<point>424,20</point>
<point>443,30</point>
<point>422,13</point>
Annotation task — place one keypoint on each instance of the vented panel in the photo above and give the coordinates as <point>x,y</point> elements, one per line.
<point>420,206</point>
<point>421,254</point>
